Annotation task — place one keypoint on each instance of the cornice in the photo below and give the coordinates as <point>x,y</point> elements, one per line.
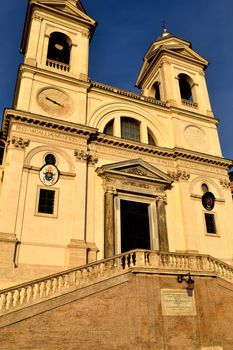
<point>175,153</point>
<point>129,94</point>
<point>54,74</point>
<point>104,88</point>
<point>50,123</point>
<point>151,101</point>
<point>195,115</point>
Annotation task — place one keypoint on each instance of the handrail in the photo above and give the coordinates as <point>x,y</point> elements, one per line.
<point>35,291</point>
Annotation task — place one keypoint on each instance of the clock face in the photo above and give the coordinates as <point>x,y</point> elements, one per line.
<point>55,102</point>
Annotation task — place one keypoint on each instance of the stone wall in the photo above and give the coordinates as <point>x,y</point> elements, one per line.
<point>125,313</point>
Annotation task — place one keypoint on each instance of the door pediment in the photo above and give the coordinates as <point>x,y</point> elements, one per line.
<point>136,169</point>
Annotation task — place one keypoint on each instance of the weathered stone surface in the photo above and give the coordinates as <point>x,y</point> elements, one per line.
<point>127,315</point>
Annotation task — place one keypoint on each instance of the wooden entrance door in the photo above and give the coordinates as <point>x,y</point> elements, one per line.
<point>135,230</point>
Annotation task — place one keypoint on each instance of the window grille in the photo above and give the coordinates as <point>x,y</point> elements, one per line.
<point>210,223</point>
<point>46,201</point>
<point>108,130</point>
<point>130,129</point>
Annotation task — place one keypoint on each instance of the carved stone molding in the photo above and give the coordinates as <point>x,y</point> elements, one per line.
<point>37,17</point>
<point>225,183</point>
<point>110,189</point>
<point>162,199</point>
<point>86,34</point>
<point>19,142</point>
<point>166,62</point>
<point>137,171</point>
<point>179,175</point>
<point>85,156</point>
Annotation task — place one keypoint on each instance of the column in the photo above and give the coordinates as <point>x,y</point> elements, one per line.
<point>162,224</point>
<point>109,224</point>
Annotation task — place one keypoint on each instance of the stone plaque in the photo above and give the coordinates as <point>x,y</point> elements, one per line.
<point>177,302</point>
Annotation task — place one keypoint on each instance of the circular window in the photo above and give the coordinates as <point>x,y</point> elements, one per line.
<point>50,159</point>
<point>204,188</point>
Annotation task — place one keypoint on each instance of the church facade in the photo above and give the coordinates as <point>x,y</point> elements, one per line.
<point>115,207</point>
<point>91,171</point>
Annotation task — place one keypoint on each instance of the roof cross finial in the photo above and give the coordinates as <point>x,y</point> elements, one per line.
<point>164,26</point>
<point>165,30</point>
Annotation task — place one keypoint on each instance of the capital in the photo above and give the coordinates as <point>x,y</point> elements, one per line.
<point>19,142</point>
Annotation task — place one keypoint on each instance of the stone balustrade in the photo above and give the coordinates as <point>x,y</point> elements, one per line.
<point>29,293</point>
<point>57,65</point>
<point>128,93</point>
<point>188,103</point>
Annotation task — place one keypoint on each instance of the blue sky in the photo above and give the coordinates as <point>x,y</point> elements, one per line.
<point>125,30</point>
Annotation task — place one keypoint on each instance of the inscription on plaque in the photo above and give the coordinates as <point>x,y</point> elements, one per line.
<point>176,302</point>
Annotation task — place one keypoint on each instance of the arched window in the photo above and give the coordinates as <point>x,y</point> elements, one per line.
<point>156,90</point>
<point>59,48</point>
<point>185,84</point>
<point>108,130</point>
<point>130,129</point>
<point>151,140</point>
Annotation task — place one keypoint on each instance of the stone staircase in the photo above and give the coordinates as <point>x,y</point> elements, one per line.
<point>37,291</point>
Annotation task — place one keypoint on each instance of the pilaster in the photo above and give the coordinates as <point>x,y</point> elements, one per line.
<point>109,225</point>
<point>162,224</point>
<point>12,184</point>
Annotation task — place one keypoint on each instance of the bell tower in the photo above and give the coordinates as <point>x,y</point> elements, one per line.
<point>55,45</point>
<point>174,73</point>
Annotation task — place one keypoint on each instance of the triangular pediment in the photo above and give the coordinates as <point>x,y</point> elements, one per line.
<point>136,168</point>
<point>71,7</point>
<point>173,47</point>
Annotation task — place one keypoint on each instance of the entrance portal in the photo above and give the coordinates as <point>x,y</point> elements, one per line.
<point>135,231</point>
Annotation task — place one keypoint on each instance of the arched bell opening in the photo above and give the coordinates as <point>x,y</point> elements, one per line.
<point>59,49</point>
<point>185,85</point>
<point>156,90</point>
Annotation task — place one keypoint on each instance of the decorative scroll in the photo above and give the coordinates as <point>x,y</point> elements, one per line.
<point>225,183</point>
<point>179,175</point>
<point>19,142</point>
<point>85,156</point>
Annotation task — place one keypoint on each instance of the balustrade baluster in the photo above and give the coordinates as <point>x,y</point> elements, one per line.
<point>50,287</point>
<point>77,277</point>
<point>4,302</point>
<point>35,291</point>
<point>129,261</point>
<point>22,296</point>
<point>18,297</point>
<point>30,294</point>
<point>10,300</point>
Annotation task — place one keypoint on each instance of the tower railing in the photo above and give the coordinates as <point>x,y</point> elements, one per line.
<point>58,65</point>
<point>41,289</point>
<point>188,103</point>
